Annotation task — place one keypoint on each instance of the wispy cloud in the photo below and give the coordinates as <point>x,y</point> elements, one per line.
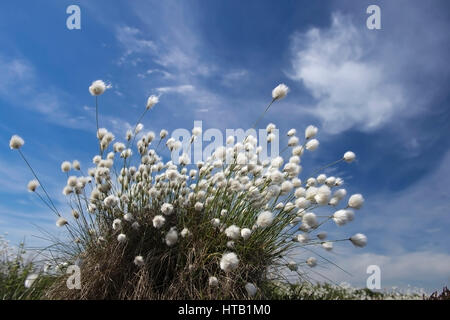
<point>351,88</point>
<point>132,42</point>
<point>176,89</point>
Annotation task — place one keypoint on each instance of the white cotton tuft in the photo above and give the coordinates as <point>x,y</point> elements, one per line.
<point>171,237</point>
<point>293,141</point>
<point>198,206</point>
<point>251,289</point>
<point>139,261</point>
<point>97,88</point>
<point>121,238</point>
<point>163,133</point>
<point>158,221</point>
<point>310,132</point>
<point>185,232</point>
<point>359,240</point>
<point>135,225</point>
<point>286,187</point>
<point>215,222</point>
<point>65,166</point>
<point>76,165</point>
<point>310,219</point>
<point>264,219</point>
<point>312,262</point>
<point>117,223</point>
<point>340,217</point>
<point>356,201</point>
<point>167,209</point>
<point>138,128</point>
<point>229,261</point>
<point>302,238</point>
<point>246,233</point>
<point>327,245</point>
<point>312,145</point>
<point>151,101</point>
<point>280,91</point>
<point>349,156</point>
<point>111,201</point>
<point>16,142</point>
<point>32,185</point>
<point>213,282</point>
<point>31,278</point>
<point>233,232</point>
<point>196,131</point>
<point>61,222</point>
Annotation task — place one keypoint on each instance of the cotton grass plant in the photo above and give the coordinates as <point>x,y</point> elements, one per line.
<point>224,228</point>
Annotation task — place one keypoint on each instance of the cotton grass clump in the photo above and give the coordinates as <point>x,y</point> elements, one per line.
<point>240,217</point>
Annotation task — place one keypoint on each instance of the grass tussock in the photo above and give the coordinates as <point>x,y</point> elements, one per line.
<point>142,226</point>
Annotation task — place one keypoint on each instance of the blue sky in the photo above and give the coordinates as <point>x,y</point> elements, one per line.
<point>381,93</point>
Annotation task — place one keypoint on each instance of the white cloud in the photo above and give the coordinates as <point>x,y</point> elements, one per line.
<point>230,78</point>
<point>131,40</point>
<point>176,89</point>
<point>351,87</point>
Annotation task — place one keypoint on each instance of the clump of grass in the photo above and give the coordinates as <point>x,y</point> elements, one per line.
<point>20,278</point>
<point>444,295</point>
<point>225,228</point>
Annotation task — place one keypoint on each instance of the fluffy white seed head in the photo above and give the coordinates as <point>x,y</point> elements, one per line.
<point>31,278</point>
<point>327,245</point>
<point>116,224</point>
<point>97,88</point>
<point>213,282</point>
<point>158,221</point>
<point>246,233</point>
<point>264,219</point>
<point>135,225</point>
<point>65,166</point>
<point>171,237</point>
<point>16,142</point>
<point>310,219</point>
<point>356,201</point>
<point>251,289</point>
<point>76,165</point>
<point>340,217</point>
<point>312,145</point>
<point>229,261</point>
<point>122,238</point>
<point>151,101</point>
<point>167,209</point>
<point>198,206</point>
<point>185,232</point>
<point>196,131</point>
<point>312,262</point>
<point>349,156</point>
<point>32,185</point>
<point>280,91</point>
<point>310,132</point>
<point>61,222</point>
<point>233,232</point>
<point>163,133</point>
<point>359,240</point>
<point>291,132</point>
<point>139,261</point>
